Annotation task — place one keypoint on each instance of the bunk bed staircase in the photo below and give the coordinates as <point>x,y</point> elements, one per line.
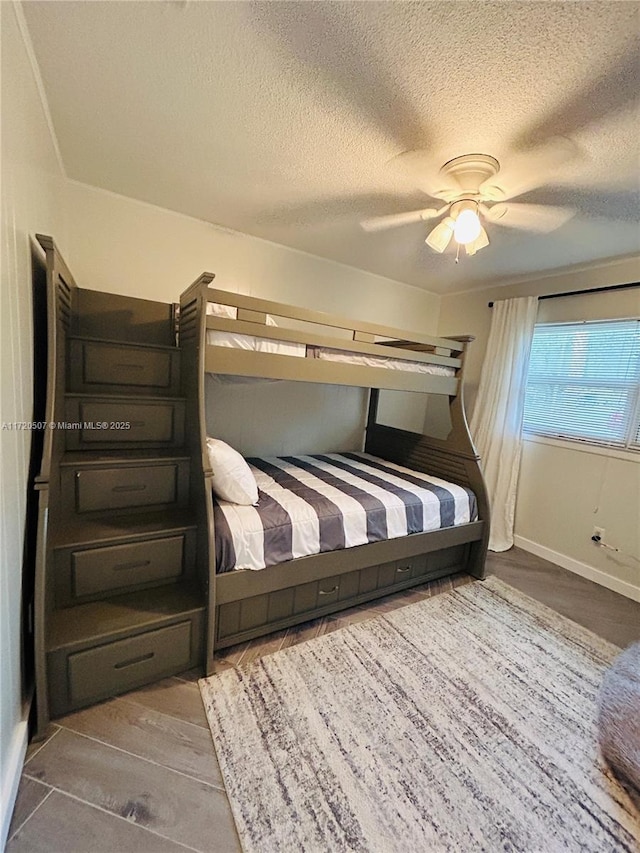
<point>119,599</point>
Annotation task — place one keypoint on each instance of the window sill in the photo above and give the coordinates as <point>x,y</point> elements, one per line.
<point>584,447</point>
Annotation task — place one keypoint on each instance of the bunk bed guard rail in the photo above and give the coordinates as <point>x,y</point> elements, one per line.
<point>335,350</point>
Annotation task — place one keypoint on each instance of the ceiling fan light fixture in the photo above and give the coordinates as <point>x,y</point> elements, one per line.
<point>467,227</point>
<point>440,237</point>
<point>479,243</point>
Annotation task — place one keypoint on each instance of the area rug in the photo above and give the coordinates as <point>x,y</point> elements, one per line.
<point>466,722</point>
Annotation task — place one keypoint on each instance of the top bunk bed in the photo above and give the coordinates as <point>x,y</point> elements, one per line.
<point>243,336</point>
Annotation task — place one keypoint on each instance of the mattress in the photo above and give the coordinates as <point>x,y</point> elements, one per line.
<point>312,504</point>
<point>379,361</point>
<point>258,344</point>
<point>249,342</point>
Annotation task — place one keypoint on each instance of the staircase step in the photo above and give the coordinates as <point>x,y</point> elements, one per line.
<point>94,571</point>
<point>113,422</point>
<point>125,367</point>
<point>105,620</point>
<point>110,316</point>
<point>122,486</point>
<point>125,343</point>
<point>137,456</point>
<point>117,529</point>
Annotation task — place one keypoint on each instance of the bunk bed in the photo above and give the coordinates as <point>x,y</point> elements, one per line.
<point>242,337</point>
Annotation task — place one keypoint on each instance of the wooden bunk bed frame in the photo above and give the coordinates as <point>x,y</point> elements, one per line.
<point>245,604</point>
<point>125,588</point>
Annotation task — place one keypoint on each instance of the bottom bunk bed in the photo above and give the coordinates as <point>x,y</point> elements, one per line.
<point>331,531</point>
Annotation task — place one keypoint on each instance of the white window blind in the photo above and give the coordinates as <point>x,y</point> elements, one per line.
<point>584,382</point>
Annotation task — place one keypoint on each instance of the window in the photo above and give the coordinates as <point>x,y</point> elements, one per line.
<point>584,382</point>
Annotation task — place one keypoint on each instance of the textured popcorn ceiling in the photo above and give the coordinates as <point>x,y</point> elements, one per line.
<point>279,119</point>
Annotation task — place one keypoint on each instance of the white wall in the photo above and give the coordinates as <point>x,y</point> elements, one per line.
<point>302,417</point>
<point>130,247</point>
<point>565,489</point>
<point>32,201</point>
<point>125,246</point>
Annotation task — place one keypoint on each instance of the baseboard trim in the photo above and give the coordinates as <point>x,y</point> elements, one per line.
<point>578,568</point>
<point>11,773</point>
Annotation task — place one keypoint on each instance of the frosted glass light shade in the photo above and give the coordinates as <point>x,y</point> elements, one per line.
<point>468,227</point>
<point>440,237</point>
<point>479,243</point>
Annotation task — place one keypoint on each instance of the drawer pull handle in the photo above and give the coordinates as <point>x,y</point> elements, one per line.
<point>329,591</point>
<point>133,661</point>
<point>124,566</point>
<point>130,366</point>
<point>403,570</point>
<point>136,487</point>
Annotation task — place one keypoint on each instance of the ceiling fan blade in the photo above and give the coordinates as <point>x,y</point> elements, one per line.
<point>530,170</point>
<point>529,217</point>
<point>420,168</point>
<point>393,220</point>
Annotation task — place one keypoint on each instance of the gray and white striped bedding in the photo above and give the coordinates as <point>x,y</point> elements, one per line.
<point>311,504</point>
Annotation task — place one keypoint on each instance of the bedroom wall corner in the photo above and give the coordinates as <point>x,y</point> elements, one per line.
<point>594,485</point>
<point>33,200</point>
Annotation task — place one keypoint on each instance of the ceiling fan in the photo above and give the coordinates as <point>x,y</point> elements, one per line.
<point>473,194</point>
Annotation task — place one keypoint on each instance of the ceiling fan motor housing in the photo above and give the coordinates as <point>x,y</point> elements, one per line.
<point>470,171</point>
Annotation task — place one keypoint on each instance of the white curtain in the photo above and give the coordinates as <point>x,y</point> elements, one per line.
<point>496,424</point>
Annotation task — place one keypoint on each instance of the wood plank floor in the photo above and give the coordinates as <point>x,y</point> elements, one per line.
<point>139,773</point>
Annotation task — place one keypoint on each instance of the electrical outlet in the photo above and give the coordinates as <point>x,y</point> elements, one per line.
<point>598,534</point>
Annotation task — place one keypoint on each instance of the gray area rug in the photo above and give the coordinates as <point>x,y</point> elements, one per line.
<point>466,722</point>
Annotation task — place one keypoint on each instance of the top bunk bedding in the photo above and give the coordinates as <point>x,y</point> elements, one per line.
<point>255,343</point>
<point>312,504</point>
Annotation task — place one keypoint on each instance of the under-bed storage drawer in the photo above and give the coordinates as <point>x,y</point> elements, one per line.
<point>390,574</point>
<point>447,561</point>
<point>304,601</point>
<point>125,664</point>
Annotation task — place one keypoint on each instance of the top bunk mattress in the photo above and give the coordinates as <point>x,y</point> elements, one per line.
<point>312,504</point>
<point>296,350</point>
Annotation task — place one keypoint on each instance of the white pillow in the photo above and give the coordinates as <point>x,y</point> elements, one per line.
<point>232,477</point>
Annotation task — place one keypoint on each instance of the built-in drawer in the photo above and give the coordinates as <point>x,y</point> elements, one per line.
<point>83,573</point>
<point>349,585</point>
<point>117,567</point>
<point>119,487</point>
<point>101,423</point>
<point>368,580</point>
<point>305,597</point>
<point>454,558</point>
<point>248,613</point>
<point>125,664</point>
<point>234,619</point>
<point>328,591</point>
<point>393,573</point>
<point>97,366</point>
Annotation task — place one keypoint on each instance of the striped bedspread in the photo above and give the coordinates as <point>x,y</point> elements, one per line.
<point>311,504</point>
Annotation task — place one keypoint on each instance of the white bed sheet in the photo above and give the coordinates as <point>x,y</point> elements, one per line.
<point>257,344</point>
<point>249,342</point>
<point>380,361</point>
